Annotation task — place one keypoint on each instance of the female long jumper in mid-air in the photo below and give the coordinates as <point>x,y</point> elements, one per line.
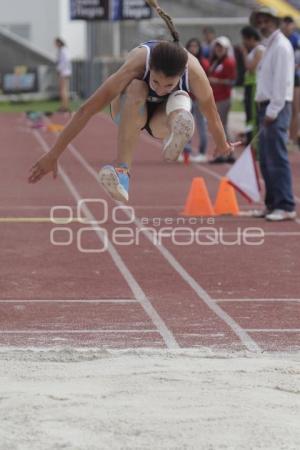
<point>150,91</point>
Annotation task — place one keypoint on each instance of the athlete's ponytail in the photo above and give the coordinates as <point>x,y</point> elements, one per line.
<point>167,57</point>
<point>166,18</point>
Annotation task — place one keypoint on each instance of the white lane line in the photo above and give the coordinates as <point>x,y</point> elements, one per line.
<point>249,343</point>
<point>219,177</point>
<point>274,330</point>
<point>17,207</point>
<point>203,295</point>
<point>88,331</point>
<point>96,302</point>
<point>238,232</point>
<point>21,220</point>
<point>241,300</point>
<point>156,207</point>
<point>138,293</point>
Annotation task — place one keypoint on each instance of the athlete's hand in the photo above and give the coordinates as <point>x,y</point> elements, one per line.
<point>44,165</point>
<point>227,150</point>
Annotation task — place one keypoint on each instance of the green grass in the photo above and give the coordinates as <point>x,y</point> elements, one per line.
<point>237,106</point>
<point>52,106</point>
<point>47,105</point>
<point>39,106</point>
<point>238,99</point>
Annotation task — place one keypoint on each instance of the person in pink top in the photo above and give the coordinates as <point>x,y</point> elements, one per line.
<point>222,75</point>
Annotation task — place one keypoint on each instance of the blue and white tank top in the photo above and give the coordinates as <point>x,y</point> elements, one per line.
<point>153,97</point>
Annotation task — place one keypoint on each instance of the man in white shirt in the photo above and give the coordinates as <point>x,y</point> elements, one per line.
<point>274,95</point>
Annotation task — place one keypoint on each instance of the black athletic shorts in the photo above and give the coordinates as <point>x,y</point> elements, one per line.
<point>151,108</point>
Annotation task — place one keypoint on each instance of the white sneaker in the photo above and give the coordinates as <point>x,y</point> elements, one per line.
<point>182,132</point>
<point>278,215</point>
<point>200,158</point>
<point>115,181</point>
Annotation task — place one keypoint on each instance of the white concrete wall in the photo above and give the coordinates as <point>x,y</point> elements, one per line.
<point>48,19</point>
<point>72,31</point>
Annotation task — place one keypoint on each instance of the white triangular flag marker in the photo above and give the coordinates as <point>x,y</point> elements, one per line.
<point>243,176</point>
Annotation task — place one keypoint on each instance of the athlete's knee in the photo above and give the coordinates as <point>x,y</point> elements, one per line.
<point>136,92</point>
<point>178,100</point>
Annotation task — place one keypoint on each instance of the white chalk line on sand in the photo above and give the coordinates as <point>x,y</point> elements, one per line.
<point>249,343</point>
<point>139,294</point>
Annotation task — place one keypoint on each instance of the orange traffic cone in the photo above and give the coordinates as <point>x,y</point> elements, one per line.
<point>198,202</point>
<point>226,202</point>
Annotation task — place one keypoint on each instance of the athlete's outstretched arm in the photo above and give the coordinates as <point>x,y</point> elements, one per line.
<point>103,96</point>
<point>201,89</point>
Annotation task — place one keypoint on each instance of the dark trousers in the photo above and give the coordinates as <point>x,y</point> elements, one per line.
<point>274,162</point>
<point>250,111</point>
<point>201,126</point>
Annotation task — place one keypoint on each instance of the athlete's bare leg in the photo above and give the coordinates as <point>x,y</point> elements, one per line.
<point>129,112</point>
<point>64,92</point>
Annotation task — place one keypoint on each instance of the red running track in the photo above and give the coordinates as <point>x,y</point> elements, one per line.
<point>176,295</point>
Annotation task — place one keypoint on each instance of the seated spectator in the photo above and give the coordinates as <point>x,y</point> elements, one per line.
<point>222,75</point>
<point>252,53</point>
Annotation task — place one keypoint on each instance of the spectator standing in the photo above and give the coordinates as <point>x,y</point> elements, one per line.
<point>64,70</point>
<point>209,36</point>
<point>252,53</point>
<point>222,74</point>
<point>288,27</point>
<point>274,94</point>
<point>195,48</point>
